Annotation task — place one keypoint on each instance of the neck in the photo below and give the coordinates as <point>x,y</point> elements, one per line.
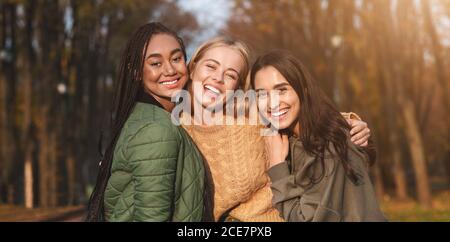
<point>295,129</point>
<point>148,97</point>
<point>168,105</point>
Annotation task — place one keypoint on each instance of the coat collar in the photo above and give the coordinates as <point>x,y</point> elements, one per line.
<point>144,97</point>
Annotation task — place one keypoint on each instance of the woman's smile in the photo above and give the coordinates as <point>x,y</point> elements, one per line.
<point>211,91</point>
<point>170,83</point>
<point>278,114</point>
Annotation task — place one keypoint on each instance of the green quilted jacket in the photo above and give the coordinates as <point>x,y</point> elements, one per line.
<point>157,172</point>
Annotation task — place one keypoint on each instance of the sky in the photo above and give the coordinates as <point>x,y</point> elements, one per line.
<point>211,15</point>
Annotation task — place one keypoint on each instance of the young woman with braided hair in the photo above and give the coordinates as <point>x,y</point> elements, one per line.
<point>151,171</point>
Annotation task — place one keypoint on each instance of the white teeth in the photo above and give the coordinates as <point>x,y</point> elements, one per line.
<point>212,89</point>
<point>170,83</point>
<point>278,114</point>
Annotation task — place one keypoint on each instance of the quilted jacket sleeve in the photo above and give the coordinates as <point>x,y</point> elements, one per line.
<point>152,155</point>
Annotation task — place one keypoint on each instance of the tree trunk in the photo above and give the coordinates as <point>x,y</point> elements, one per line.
<point>28,181</point>
<point>401,188</point>
<point>70,164</point>
<point>378,180</point>
<point>10,194</point>
<point>43,161</point>
<point>9,132</point>
<point>53,178</point>
<point>3,142</point>
<point>26,140</point>
<point>417,154</point>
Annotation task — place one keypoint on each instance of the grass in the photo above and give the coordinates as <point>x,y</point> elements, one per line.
<point>411,211</point>
<point>9,213</point>
<point>395,210</point>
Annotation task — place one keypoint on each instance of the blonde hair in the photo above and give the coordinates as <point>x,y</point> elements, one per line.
<point>241,47</point>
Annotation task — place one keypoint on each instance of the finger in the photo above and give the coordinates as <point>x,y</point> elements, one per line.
<point>359,142</point>
<point>363,139</point>
<point>276,138</point>
<point>357,127</point>
<point>358,136</point>
<point>366,137</point>
<point>365,144</point>
<point>272,139</point>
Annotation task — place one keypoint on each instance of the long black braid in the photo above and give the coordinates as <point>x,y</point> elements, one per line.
<point>127,89</point>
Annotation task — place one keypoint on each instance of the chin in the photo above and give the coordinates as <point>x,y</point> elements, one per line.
<point>165,94</point>
<point>212,106</point>
<point>172,93</point>
<point>283,124</point>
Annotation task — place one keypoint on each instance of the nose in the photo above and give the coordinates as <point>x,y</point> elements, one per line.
<point>217,77</point>
<point>169,70</point>
<point>274,101</point>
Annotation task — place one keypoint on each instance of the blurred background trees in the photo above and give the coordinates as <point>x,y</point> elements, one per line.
<point>57,65</point>
<point>384,59</point>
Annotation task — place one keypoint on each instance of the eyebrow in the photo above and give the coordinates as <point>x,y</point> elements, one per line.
<point>159,55</point>
<point>279,85</point>
<point>218,63</point>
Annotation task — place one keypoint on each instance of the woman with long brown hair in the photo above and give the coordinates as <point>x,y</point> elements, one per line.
<point>317,173</point>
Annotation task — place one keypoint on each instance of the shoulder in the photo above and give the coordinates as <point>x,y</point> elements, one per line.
<point>356,159</point>
<point>150,123</point>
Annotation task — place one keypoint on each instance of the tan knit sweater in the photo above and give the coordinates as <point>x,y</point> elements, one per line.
<point>237,159</point>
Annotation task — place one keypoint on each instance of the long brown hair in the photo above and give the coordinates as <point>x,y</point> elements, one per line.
<point>322,126</point>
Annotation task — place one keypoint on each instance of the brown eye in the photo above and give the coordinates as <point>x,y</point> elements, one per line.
<point>177,59</point>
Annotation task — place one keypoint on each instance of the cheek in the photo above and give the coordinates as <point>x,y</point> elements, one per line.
<point>291,98</point>
<point>231,85</point>
<point>181,68</point>
<point>262,104</point>
<point>197,74</point>
<point>295,103</point>
<point>150,75</point>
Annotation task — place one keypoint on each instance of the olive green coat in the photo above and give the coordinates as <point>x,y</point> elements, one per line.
<point>157,172</point>
<point>333,198</point>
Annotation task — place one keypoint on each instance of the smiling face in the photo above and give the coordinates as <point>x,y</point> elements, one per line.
<point>215,73</point>
<point>277,100</point>
<point>165,70</point>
